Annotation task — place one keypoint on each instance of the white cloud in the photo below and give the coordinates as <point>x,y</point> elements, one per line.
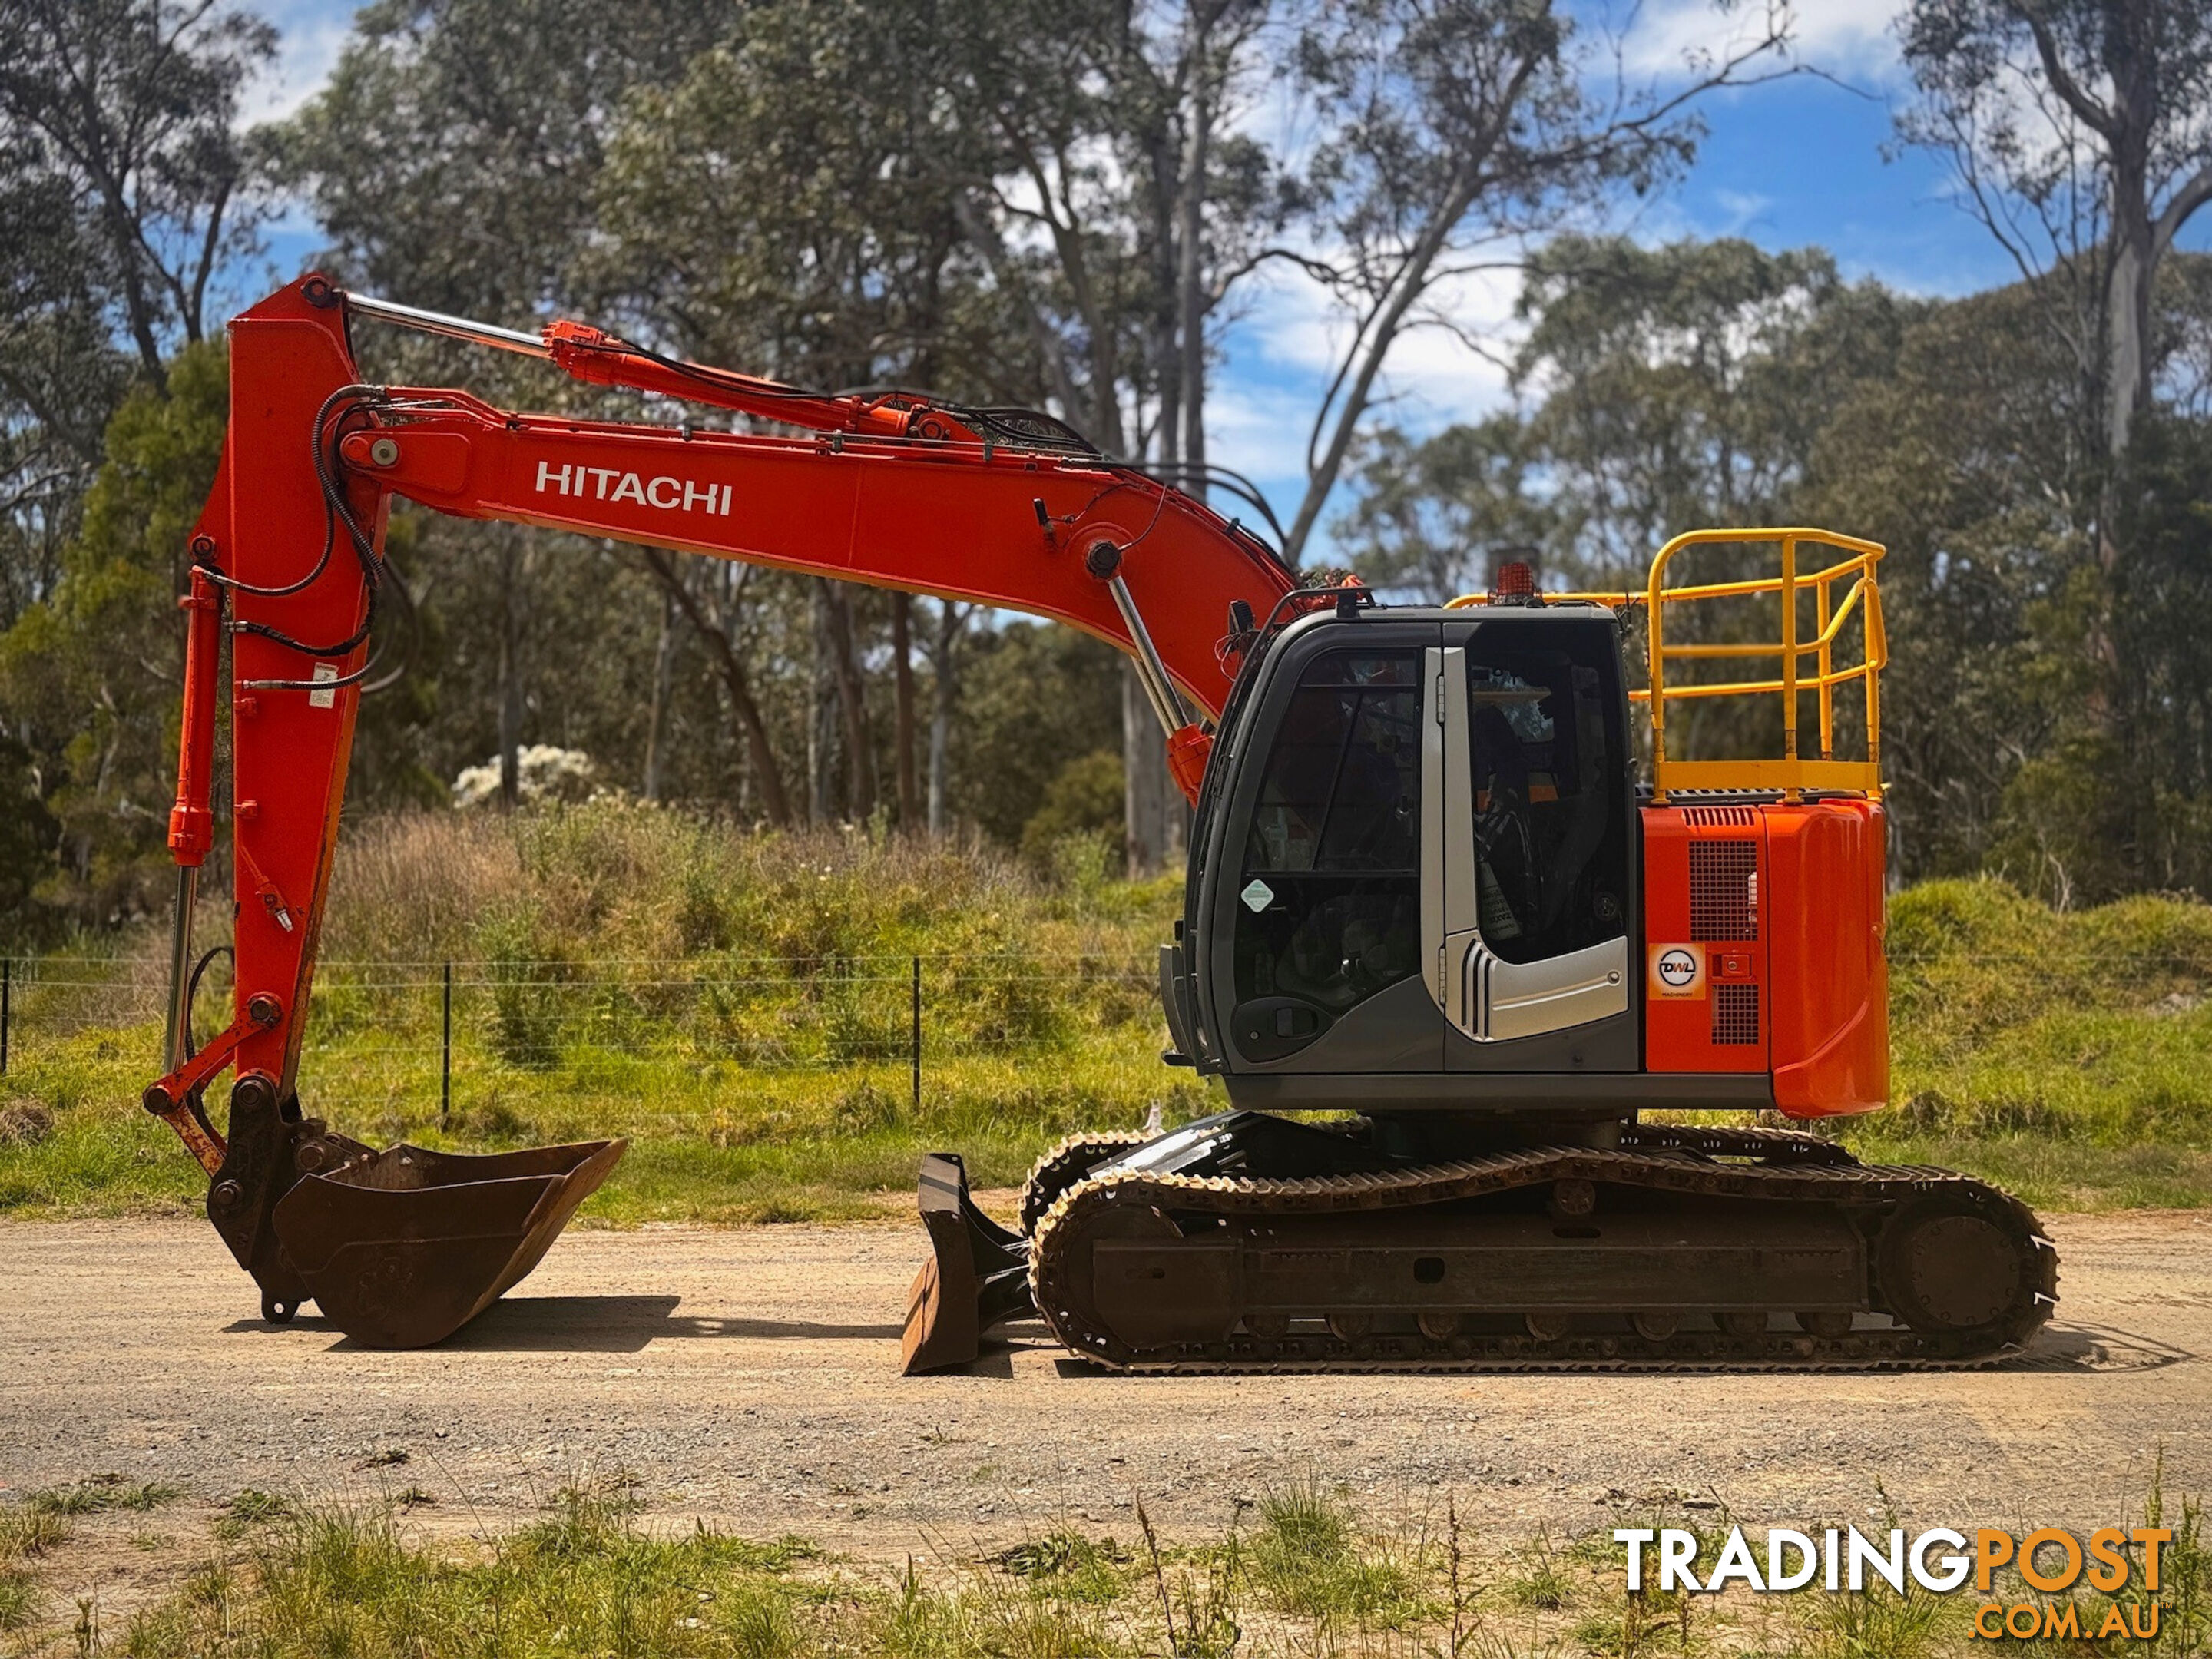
<point>1297,335</point>
<point>1851,38</point>
<point>1252,429</point>
<point>311,33</point>
<point>1742,207</point>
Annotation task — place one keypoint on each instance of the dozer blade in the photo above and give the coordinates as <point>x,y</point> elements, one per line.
<point>404,1248</point>
<point>977,1276</point>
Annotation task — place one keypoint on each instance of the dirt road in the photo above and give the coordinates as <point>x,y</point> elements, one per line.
<point>749,1377</point>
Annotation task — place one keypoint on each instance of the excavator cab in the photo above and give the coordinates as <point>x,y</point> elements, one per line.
<point>1417,866</point>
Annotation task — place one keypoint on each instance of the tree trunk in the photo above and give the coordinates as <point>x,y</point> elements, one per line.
<point>775,800</point>
<point>902,715</point>
<point>944,700</point>
<point>1152,810</point>
<point>1190,279</point>
<point>821,708</point>
<point>510,670</point>
<point>1364,364</point>
<point>1168,189</point>
<point>852,704</point>
<point>2127,322</point>
<point>1144,761</point>
<point>664,673</point>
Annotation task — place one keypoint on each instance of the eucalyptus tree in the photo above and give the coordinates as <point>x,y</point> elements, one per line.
<point>126,189</point>
<point>2081,134</point>
<point>119,117</point>
<point>1118,197</point>
<point>451,159</point>
<point>789,204</point>
<point>1455,132</point>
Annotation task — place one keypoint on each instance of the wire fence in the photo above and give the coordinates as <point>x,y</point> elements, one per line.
<point>415,1020</point>
<point>410,1023</point>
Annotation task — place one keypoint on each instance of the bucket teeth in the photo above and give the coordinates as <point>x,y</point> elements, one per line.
<point>975,1280</point>
<point>403,1247</point>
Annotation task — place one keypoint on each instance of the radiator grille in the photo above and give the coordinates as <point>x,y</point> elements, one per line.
<point>1720,817</point>
<point>1723,889</point>
<point>1735,1015</point>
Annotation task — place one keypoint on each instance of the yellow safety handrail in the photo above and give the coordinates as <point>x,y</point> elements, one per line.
<point>1793,773</point>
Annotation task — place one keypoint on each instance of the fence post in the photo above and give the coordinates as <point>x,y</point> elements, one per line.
<point>445,1053</point>
<point>917,1034</point>
<point>6,987</point>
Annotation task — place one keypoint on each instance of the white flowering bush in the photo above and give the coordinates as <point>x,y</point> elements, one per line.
<point>543,772</point>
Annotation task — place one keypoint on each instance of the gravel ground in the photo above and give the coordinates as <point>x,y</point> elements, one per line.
<point>750,1376</point>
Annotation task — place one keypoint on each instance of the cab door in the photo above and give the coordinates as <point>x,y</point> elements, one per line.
<point>1319,870</point>
<point>1528,811</point>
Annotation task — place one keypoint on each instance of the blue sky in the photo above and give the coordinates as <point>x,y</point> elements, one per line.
<point>1791,162</point>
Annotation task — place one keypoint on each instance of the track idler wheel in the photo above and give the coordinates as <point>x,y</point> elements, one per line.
<point>1124,1266</point>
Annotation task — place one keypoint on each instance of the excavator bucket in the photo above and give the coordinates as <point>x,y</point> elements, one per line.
<point>403,1247</point>
<point>976,1279</point>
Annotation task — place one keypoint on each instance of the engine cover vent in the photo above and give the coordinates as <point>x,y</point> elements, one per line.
<point>1735,1015</point>
<point>1724,890</point>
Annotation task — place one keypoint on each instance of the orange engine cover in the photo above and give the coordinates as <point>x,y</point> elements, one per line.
<point>1763,945</point>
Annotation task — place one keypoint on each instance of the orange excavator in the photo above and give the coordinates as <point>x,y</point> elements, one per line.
<point>1454,927</point>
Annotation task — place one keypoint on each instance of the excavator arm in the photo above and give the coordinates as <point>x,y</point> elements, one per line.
<point>1000,507</point>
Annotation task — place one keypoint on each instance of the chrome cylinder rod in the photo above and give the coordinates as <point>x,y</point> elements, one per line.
<point>1158,687</point>
<point>451,328</point>
<point>181,966</point>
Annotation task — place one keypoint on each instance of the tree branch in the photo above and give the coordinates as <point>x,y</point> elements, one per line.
<point>2191,196</point>
<point>2062,80</point>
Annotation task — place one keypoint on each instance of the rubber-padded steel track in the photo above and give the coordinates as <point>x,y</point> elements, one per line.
<point>1787,1166</point>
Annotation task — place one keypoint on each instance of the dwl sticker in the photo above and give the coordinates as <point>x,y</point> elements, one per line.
<point>1678,971</point>
<point>1257,894</point>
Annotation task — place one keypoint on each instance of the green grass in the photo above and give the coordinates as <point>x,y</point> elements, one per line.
<point>27,1530</point>
<point>711,1141</point>
<point>738,1006</point>
<point>584,1582</point>
<point>2068,1057</point>
<point>1310,1558</point>
<point>1304,1573</point>
<point>101,1494</point>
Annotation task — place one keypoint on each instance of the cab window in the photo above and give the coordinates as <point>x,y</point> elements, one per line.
<point>1328,905</point>
<point>1550,812</point>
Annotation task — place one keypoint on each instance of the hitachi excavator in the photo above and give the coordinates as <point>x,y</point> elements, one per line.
<point>1454,926</point>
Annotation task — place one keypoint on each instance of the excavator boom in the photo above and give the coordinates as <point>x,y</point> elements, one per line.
<point>998,507</point>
